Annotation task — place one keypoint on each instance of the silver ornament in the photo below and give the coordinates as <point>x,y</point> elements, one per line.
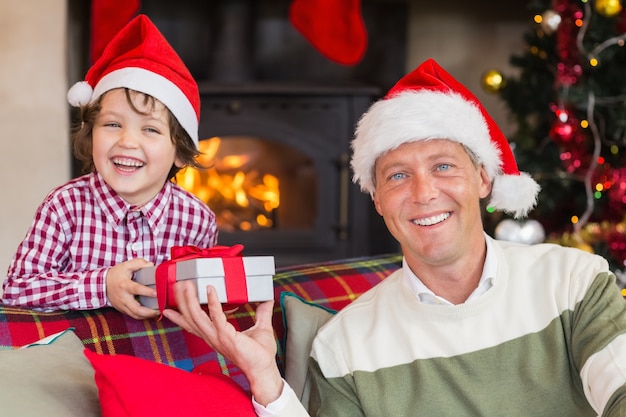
<point>529,232</point>
<point>550,21</point>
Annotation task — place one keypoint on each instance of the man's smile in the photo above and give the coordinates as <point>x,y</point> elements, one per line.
<point>429,221</point>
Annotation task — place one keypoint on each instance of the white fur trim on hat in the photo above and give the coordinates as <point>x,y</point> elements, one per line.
<point>419,115</point>
<point>157,86</point>
<point>415,115</point>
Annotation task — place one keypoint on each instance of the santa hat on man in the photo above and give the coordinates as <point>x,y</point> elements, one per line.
<point>140,58</point>
<point>429,103</point>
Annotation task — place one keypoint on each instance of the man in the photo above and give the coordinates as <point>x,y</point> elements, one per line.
<point>469,325</point>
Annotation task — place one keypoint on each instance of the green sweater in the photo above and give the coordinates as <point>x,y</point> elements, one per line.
<point>548,339</point>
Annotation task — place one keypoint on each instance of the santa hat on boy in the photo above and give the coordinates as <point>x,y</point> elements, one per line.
<point>140,58</point>
<point>429,103</point>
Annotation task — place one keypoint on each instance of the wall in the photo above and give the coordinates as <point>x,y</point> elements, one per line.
<point>465,37</point>
<point>34,153</point>
<point>468,38</point>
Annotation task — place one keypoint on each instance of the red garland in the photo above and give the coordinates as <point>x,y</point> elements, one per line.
<point>568,68</point>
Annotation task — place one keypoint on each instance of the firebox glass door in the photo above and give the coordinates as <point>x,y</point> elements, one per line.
<point>254,184</point>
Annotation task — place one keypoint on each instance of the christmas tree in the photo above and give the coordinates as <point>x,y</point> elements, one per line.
<point>568,102</point>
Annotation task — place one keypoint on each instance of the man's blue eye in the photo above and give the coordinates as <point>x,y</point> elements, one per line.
<point>398,176</point>
<point>443,167</point>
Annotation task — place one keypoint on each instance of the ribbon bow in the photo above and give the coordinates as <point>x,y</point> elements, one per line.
<point>165,274</point>
<point>191,252</point>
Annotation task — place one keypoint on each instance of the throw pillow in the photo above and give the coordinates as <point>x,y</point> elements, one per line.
<point>50,378</point>
<point>302,320</point>
<point>133,387</point>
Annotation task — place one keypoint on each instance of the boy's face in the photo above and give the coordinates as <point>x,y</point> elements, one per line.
<point>133,152</point>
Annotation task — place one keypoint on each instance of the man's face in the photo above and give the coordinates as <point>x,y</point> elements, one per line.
<point>428,193</point>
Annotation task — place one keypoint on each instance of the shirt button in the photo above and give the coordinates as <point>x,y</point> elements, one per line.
<point>136,246</point>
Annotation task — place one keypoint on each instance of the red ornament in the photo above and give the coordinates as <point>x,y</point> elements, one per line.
<point>562,132</point>
<point>565,131</point>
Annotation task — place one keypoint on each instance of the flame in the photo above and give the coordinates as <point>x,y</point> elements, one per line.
<point>241,199</point>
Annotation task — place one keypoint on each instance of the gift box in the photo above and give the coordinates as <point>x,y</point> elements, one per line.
<point>236,279</point>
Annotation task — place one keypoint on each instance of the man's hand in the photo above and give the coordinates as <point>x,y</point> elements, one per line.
<point>253,350</point>
<point>121,289</point>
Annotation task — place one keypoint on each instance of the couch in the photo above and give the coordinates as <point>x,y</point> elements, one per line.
<point>42,350</point>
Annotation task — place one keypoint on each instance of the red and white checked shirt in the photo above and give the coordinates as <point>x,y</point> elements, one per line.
<point>83,228</point>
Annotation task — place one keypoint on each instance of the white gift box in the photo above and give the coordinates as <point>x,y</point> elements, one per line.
<point>259,271</point>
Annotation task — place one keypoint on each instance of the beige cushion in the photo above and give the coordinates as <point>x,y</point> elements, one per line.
<point>302,320</point>
<point>49,378</point>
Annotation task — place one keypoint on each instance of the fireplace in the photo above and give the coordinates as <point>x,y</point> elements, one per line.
<point>277,117</point>
<point>279,179</point>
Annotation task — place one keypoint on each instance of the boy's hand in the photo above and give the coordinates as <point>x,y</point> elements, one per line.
<point>121,289</point>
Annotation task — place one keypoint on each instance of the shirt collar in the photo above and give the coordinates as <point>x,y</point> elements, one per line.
<point>112,205</point>
<point>116,208</point>
<point>155,209</point>
<point>424,294</point>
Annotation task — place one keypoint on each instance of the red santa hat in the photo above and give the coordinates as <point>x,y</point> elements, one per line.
<point>140,58</point>
<point>429,103</point>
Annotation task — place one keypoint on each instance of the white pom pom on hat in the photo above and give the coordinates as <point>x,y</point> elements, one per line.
<point>429,103</point>
<point>80,94</point>
<point>140,58</point>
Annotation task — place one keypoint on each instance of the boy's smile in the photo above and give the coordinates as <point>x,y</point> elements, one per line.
<point>127,164</point>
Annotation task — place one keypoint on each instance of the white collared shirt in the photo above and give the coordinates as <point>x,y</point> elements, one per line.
<point>425,295</point>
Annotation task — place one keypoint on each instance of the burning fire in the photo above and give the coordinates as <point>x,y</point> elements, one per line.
<point>241,197</point>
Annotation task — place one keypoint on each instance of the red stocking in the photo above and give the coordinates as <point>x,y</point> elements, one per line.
<point>107,18</point>
<point>334,27</point>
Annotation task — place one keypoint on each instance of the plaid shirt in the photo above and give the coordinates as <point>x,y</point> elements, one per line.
<point>83,228</point>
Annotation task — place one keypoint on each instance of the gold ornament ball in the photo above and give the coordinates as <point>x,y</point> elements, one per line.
<point>608,8</point>
<point>493,81</point>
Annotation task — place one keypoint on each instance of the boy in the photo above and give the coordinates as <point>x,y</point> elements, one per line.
<point>139,111</point>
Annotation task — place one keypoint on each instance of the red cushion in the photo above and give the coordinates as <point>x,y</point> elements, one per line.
<point>133,387</point>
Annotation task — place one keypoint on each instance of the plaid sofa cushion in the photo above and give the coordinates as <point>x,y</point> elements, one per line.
<point>333,284</point>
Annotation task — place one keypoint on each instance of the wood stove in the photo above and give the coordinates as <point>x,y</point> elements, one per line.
<point>298,134</point>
